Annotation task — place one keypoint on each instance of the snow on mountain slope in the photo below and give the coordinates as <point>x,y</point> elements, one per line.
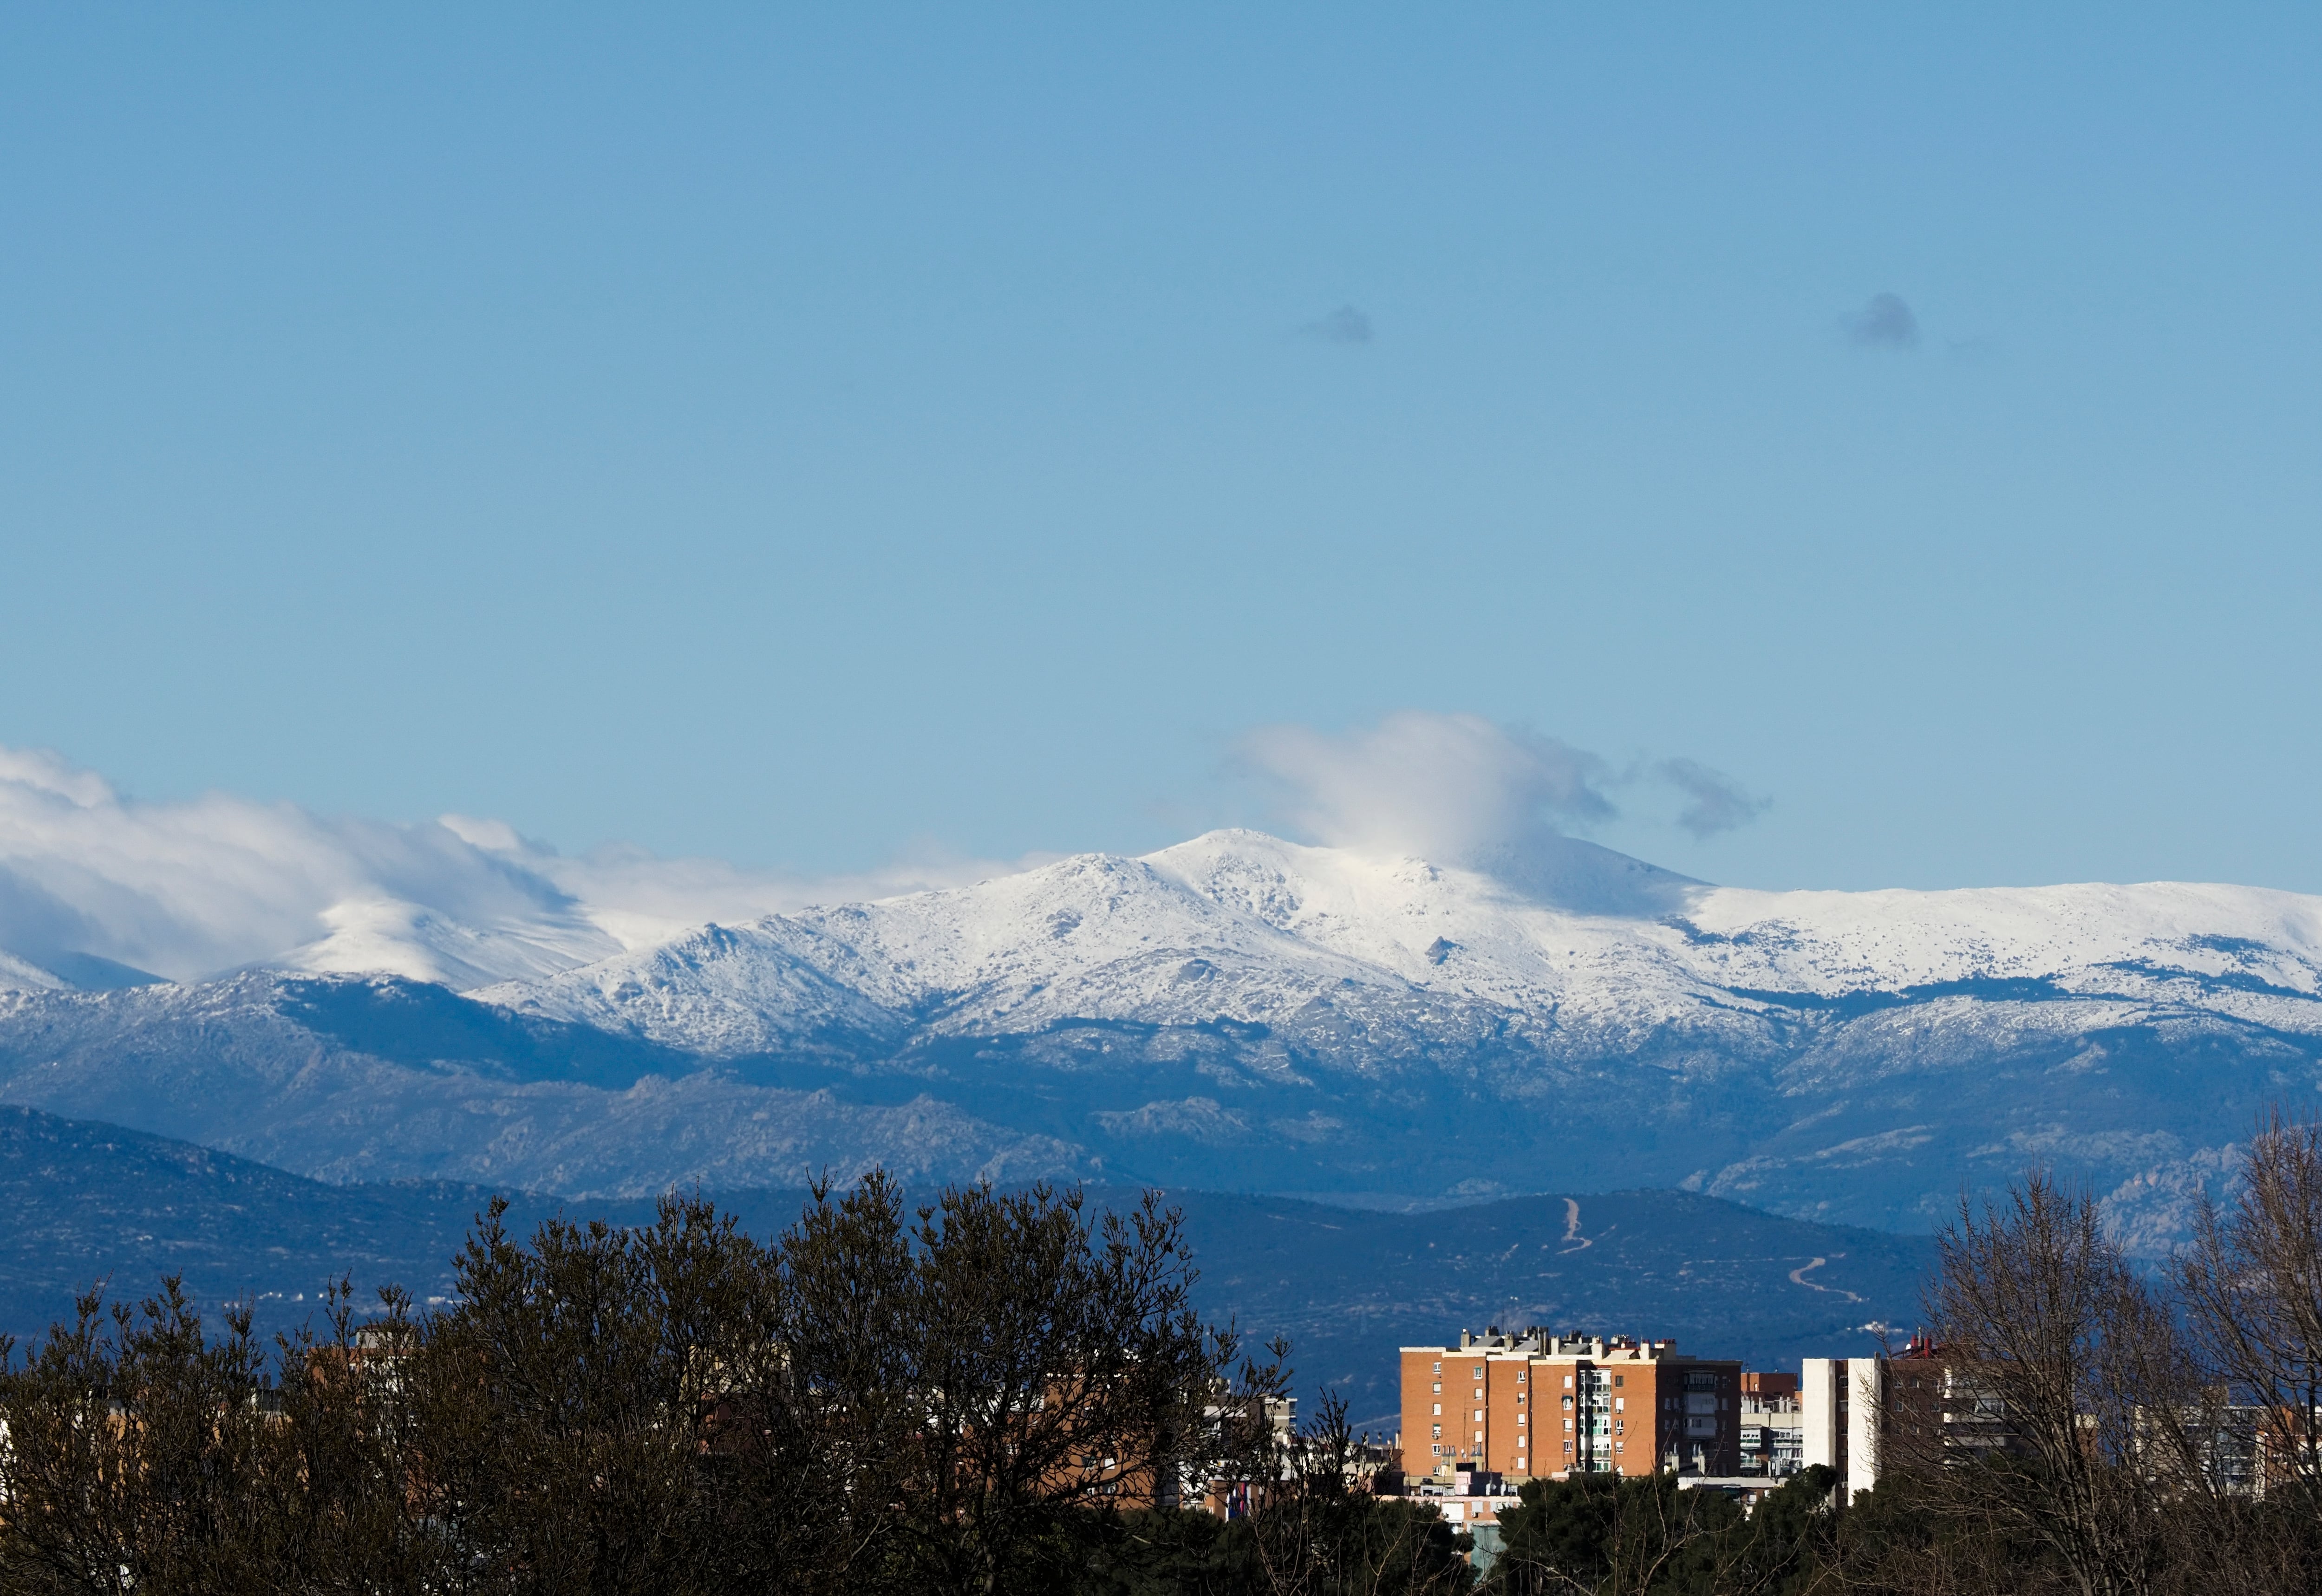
<point>385,936</point>
<point>1244,927</point>
<point>1239,1011</point>
<point>1092,936</point>
<point>719,990</point>
<point>20,975</point>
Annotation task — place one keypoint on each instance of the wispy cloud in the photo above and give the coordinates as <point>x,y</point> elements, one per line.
<point>1884,322</point>
<point>1714,802</point>
<point>187,889</point>
<point>1345,325</point>
<point>1447,787</point>
<point>1460,789</point>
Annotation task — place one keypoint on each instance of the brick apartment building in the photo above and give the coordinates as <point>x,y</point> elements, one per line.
<point>1532,1403</point>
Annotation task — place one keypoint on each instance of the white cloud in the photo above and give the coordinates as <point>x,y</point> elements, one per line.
<point>1452,787</point>
<point>1461,789</point>
<point>188,888</point>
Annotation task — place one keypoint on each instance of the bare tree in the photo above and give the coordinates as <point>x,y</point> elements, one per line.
<point>2063,1388</point>
<point>1320,1530</point>
<point>2252,1283</point>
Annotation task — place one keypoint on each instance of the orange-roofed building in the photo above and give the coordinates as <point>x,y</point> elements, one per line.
<point>1532,1403</point>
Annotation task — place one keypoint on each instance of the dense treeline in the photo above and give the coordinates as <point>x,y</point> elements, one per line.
<point>1005,1394</point>
<point>1001,1394</point>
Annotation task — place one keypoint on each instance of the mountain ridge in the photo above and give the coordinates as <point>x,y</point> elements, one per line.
<point>1241,1012</point>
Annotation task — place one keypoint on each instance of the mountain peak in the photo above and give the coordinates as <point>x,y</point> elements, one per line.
<point>1242,1010</point>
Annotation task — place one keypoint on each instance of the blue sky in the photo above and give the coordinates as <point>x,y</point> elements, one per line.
<point>799,436</point>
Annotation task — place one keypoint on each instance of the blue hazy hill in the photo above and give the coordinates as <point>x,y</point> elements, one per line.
<point>91,1201</point>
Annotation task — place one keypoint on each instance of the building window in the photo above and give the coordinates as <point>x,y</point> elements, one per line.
<point>1439,1409</point>
<point>1616,1403</point>
<point>1616,1379</point>
<point>1438,1435</point>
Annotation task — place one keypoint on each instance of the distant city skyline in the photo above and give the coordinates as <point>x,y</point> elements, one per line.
<point>1801,449</point>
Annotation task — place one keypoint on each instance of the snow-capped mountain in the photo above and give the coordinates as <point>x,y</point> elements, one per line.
<point>1239,1003</point>
<point>1243,1011</point>
<point>1238,927</point>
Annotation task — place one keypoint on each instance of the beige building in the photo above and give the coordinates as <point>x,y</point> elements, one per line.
<point>1772,1425</point>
